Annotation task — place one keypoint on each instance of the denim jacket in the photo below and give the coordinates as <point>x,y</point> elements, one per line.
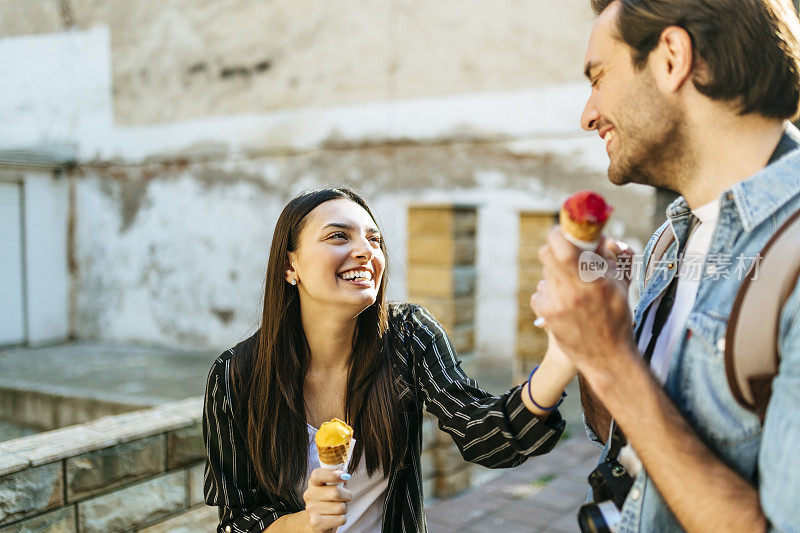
<point>768,456</point>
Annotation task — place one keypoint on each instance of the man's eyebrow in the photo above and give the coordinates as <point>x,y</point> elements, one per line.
<point>348,227</point>
<point>587,71</point>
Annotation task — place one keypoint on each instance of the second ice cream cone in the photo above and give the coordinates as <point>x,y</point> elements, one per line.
<point>333,443</point>
<point>333,455</point>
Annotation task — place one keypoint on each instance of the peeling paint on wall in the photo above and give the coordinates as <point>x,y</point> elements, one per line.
<point>191,137</point>
<point>176,253</point>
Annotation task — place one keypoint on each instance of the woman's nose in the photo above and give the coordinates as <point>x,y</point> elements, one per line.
<point>362,249</point>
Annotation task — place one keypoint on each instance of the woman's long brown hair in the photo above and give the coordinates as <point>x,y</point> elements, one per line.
<point>268,382</point>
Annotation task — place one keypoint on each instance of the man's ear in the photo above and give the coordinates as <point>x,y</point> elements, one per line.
<point>672,60</point>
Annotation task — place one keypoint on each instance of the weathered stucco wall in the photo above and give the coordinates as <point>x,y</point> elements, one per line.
<point>186,58</point>
<point>194,121</point>
<point>176,252</point>
<point>25,17</point>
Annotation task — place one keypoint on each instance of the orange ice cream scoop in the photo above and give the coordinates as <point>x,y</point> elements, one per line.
<point>335,432</point>
<point>583,216</point>
<point>333,442</point>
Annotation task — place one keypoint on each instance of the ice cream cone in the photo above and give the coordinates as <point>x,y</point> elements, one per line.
<point>334,440</point>
<point>333,456</point>
<point>582,218</point>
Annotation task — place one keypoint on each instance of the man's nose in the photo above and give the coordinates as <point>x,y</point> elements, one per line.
<point>590,116</point>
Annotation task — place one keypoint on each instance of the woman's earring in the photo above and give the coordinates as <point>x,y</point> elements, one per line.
<point>293,281</point>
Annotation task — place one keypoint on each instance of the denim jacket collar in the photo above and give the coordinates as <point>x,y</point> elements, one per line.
<point>763,193</point>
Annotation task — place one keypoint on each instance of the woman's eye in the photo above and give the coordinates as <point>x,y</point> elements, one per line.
<point>338,235</point>
<point>376,238</point>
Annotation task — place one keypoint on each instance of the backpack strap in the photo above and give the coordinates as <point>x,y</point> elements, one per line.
<point>663,242</point>
<point>751,340</point>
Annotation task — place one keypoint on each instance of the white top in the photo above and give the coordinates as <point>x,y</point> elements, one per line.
<point>689,275</point>
<point>365,509</point>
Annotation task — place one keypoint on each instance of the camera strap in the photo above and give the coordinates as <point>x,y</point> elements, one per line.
<point>662,312</point>
<point>618,439</point>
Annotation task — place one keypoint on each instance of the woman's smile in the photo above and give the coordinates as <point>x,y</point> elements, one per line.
<point>358,277</point>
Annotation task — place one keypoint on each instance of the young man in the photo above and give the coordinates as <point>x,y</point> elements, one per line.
<point>692,96</point>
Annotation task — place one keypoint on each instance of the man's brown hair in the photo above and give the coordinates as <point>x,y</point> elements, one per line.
<point>746,51</point>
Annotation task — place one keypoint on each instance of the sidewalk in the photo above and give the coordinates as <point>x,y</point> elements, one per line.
<point>542,495</point>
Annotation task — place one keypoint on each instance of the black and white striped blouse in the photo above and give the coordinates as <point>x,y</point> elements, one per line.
<point>494,431</point>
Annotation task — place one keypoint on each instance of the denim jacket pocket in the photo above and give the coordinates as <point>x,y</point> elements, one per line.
<point>706,396</point>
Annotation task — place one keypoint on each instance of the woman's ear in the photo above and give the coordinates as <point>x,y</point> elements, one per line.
<point>291,273</point>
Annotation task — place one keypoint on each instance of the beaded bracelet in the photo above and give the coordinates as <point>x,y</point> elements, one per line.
<point>530,396</point>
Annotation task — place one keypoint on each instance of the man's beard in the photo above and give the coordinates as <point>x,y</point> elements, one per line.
<point>653,148</point>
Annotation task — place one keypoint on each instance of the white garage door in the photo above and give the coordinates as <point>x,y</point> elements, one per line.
<point>12,324</point>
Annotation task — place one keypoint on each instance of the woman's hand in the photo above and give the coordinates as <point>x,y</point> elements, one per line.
<point>556,357</point>
<point>621,256</point>
<point>553,375</point>
<point>326,503</point>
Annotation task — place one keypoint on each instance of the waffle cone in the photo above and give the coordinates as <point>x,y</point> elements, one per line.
<point>333,455</point>
<point>333,441</point>
<point>587,232</point>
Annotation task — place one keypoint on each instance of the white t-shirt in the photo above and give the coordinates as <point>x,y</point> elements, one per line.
<point>690,273</point>
<point>365,509</point>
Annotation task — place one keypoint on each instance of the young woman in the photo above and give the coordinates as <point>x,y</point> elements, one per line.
<point>330,346</point>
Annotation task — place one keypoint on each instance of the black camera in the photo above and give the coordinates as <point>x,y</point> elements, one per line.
<point>610,483</point>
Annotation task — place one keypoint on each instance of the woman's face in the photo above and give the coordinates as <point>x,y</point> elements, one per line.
<point>339,260</point>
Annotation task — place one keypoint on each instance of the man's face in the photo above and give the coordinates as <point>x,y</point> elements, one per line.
<point>640,125</point>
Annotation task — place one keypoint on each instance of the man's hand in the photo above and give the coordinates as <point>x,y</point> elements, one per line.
<point>591,321</point>
<point>595,413</point>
